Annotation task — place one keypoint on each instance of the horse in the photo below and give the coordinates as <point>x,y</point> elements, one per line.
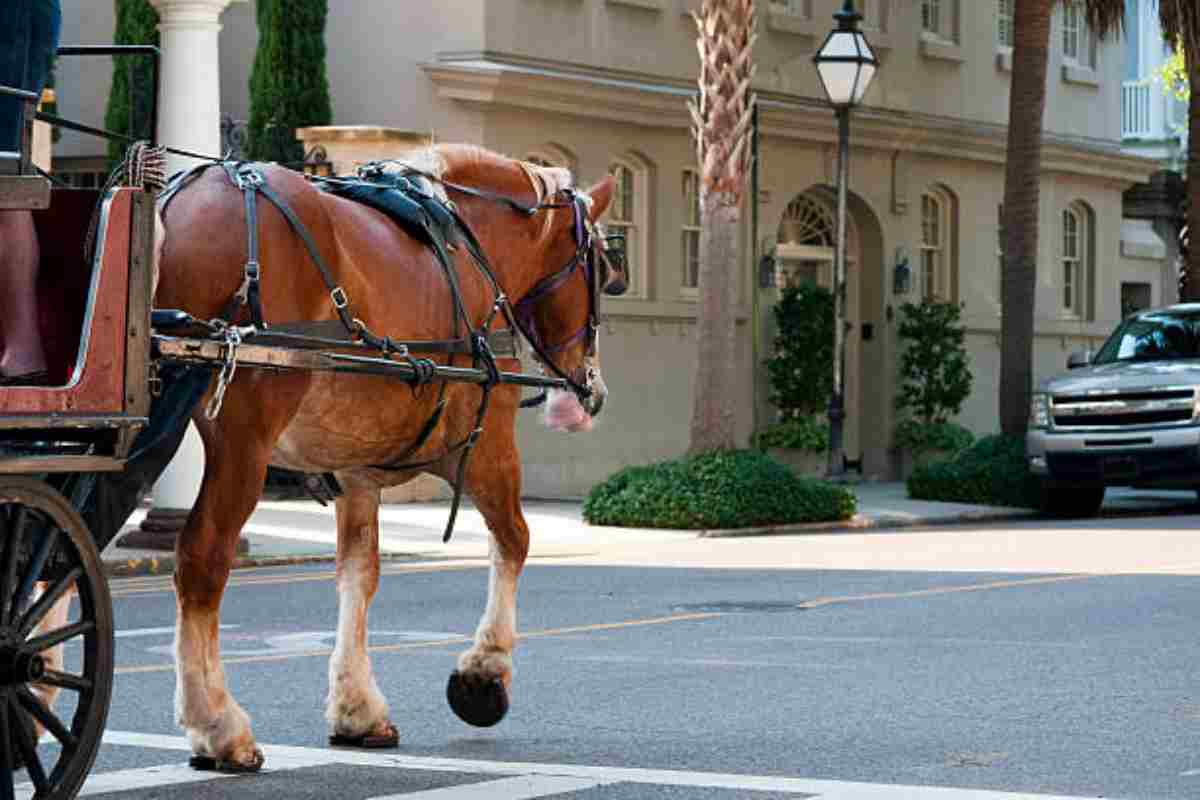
<point>527,220</point>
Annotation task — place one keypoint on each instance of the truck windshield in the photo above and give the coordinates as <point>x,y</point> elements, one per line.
<point>1161,336</point>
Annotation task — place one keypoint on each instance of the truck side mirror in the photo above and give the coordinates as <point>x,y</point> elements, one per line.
<point>1080,358</point>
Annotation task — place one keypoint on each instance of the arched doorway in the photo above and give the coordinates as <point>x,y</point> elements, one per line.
<point>804,250</point>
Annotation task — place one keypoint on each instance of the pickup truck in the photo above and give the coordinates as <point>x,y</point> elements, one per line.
<point>1129,415</point>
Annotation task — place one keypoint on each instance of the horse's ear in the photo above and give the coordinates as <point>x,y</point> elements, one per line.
<point>601,195</point>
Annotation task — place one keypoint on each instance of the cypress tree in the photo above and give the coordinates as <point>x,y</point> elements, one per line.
<point>132,94</point>
<point>288,87</point>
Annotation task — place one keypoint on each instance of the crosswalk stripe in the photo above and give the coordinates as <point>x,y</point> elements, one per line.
<point>283,757</point>
<point>522,787</point>
<point>130,779</point>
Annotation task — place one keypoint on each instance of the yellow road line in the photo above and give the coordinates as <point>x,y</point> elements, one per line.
<point>393,648</point>
<point>166,584</point>
<point>815,603</point>
<point>821,602</point>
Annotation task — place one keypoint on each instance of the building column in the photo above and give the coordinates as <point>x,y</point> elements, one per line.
<point>189,118</point>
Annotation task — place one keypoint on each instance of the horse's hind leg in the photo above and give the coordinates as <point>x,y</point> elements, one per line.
<point>356,709</point>
<point>478,689</point>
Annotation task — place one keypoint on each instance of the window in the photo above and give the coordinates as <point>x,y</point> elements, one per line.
<point>1000,254</point>
<point>931,16</point>
<point>933,248</point>
<point>623,219</point>
<point>1072,32</point>
<point>1004,23</point>
<point>1073,262</point>
<point>792,8</point>
<point>691,229</point>
<point>1078,43</point>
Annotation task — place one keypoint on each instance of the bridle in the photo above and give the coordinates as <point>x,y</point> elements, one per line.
<point>520,314</point>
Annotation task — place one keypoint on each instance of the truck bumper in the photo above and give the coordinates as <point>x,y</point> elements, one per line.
<point>1150,457</point>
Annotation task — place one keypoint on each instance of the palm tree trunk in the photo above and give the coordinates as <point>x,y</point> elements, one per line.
<point>1027,102</point>
<point>717,379</point>
<point>721,116</point>
<point>1191,289</point>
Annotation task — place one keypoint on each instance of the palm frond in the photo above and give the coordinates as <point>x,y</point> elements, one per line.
<point>1181,24</point>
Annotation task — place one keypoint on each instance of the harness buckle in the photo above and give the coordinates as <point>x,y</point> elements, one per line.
<point>252,271</point>
<point>339,298</point>
<point>248,178</point>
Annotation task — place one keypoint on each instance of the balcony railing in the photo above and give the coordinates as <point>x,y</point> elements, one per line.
<point>1137,110</point>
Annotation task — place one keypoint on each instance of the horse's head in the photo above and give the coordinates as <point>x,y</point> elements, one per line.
<point>559,312</point>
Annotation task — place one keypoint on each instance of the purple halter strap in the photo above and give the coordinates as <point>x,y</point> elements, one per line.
<point>523,309</point>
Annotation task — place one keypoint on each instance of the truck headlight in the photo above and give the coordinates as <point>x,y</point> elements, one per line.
<point>1039,410</point>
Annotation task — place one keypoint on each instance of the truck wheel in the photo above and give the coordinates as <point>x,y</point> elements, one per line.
<point>1072,502</point>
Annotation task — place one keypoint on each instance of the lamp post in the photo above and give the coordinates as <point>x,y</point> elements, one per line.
<point>845,64</point>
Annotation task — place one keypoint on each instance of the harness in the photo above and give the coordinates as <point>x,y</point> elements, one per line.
<point>438,225</point>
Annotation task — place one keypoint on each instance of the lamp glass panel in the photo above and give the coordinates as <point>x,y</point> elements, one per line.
<point>864,82</point>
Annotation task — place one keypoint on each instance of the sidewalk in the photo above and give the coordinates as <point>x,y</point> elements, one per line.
<point>302,531</point>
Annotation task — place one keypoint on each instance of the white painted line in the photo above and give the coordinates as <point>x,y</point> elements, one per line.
<point>297,757</point>
<point>129,779</point>
<point>523,787</point>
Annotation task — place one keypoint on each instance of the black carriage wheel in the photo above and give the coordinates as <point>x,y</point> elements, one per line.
<point>46,552</point>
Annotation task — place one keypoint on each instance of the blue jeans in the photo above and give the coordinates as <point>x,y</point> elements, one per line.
<point>29,31</point>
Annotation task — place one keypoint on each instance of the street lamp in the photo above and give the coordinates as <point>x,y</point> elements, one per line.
<point>845,64</point>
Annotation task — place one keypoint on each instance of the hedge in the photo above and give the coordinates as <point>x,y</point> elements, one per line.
<point>993,471</point>
<point>722,489</point>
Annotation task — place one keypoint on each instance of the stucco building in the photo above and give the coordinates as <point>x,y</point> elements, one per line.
<point>600,85</point>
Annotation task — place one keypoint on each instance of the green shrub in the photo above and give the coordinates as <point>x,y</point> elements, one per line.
<point>131,96</point>
<point>934,373</point>
<point>288,85</point>
<point>800,433</point>
<point>993,471</point>
<point>920,437</point>
<point>722,489</point>
<point>801,369</point>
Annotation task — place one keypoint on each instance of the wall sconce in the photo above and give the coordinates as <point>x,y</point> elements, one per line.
<point>766,271</point>
<point>901,273</point>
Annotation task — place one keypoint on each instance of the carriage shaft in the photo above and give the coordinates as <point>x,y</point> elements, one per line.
<point>214,353</point>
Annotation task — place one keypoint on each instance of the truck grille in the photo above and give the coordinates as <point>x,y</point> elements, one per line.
<point>1164,407</point>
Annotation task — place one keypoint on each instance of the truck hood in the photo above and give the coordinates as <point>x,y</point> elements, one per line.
<point>1124,376</point>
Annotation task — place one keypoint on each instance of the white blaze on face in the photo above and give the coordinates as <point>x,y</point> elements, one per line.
<point>564,413</point>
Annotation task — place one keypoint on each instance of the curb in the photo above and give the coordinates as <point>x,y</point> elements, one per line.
<point>153,566</point>
<point>859,523</point>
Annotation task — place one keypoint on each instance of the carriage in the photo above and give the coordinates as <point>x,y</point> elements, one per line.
<point>77,455</point>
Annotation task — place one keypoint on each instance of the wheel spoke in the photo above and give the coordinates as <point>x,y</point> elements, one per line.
<point>34,705</point>
<point>39,610</point>
<point>28,746</point>
<point>48,640</point>
<point>6,750</point>
<point>34,570</point>
<point>8,571</point>
<point>65,680</point>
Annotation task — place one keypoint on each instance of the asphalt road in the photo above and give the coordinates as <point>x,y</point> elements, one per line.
<point>645,682</point>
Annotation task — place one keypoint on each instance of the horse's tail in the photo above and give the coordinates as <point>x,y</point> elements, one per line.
<point>160,239</point>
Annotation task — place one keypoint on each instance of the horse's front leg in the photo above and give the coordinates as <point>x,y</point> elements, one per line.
<point>355,708</point>
<point>236,449</point>
<point>478,690</point>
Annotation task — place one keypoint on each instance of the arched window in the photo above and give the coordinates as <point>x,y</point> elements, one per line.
<point>939,238</point>
<point>1077,263</point>
<point>552,155</point>
<point>628,215</point>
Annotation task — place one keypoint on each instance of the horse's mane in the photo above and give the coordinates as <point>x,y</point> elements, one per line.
<point>459,160</point>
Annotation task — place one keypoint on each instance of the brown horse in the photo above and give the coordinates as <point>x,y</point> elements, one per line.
<point>344,424</point>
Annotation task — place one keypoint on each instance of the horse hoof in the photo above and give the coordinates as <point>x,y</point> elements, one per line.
<point>481,705</point>
<point>210,764</point>
<point>368,741</point>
